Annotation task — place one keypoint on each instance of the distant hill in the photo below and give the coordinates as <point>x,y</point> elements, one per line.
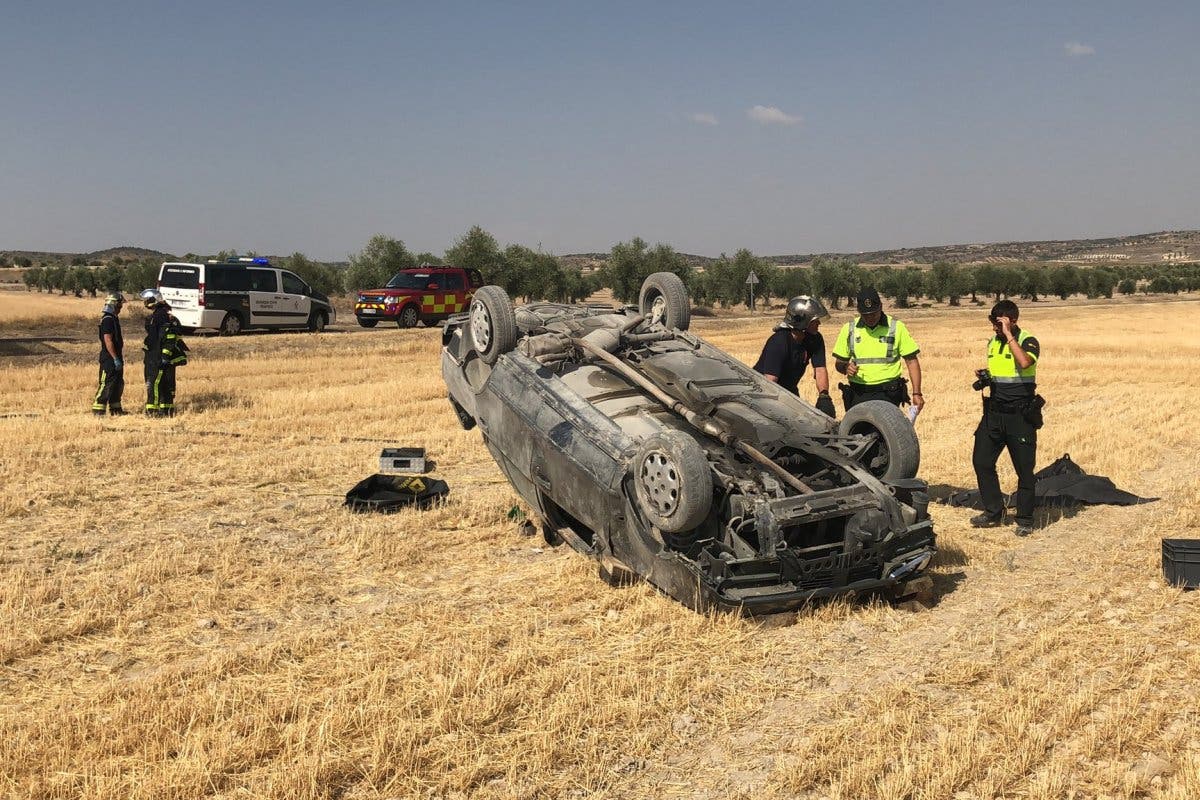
<point>1140,248</point>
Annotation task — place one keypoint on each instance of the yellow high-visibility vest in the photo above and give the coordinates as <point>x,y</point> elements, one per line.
<point>878,358</point>
<point>1004,367</point>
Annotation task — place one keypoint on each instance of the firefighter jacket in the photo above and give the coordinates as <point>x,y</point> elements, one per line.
<point>164,345</point>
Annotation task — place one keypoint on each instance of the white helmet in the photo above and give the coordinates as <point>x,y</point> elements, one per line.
<point>151,297</point>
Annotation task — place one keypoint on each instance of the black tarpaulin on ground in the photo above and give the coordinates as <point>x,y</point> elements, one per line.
<point>1064,483</point>
<point>387,494</point>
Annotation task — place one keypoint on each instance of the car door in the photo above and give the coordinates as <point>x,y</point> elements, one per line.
<point>266,303</point>
<point>295,298</point>
<point>456,292</point>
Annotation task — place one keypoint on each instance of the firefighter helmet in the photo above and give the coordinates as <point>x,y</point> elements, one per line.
<point>151,297</point>
<point>801,311</point>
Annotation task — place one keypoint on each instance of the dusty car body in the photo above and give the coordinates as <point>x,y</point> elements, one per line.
<point>645,447</point>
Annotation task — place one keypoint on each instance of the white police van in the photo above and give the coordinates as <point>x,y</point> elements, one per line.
<point>238,294</point>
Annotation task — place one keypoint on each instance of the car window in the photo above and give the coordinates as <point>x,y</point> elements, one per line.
<point>409,280</point>
<point>263,280</point>
<point>292,284</point>
<point>177,276</point>
<point>435,282</point>
<point>454,281</point>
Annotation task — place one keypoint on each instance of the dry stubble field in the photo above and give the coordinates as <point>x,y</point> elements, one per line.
<point>186,610</point>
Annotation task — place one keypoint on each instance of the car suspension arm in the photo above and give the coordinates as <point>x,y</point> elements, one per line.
<point>704,424</point>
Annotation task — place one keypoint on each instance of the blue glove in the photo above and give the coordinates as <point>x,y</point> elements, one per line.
<point>119,363</point>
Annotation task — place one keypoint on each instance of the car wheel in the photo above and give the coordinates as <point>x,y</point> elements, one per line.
<point>367,323</point>
<point>316,322</point>
<point>672,482</point>
<point>896,452</point>
<point>493,324</point>
<point>664,299</point>
<point>409,317</point>
<point>231,325</point>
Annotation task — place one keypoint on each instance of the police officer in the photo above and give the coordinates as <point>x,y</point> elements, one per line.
<point>163,351</point>
<point>868,351</point>
<point>1011,418</point>
<point>795,343</point>
<point>112,362</point>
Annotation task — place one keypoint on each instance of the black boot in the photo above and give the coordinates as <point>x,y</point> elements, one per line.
<point>986,520</point>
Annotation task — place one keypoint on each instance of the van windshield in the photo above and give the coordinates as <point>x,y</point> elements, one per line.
<point>409,280</point>
<point>179,276</point>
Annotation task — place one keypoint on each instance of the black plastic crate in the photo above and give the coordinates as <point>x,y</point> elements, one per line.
<point>1181,562</point>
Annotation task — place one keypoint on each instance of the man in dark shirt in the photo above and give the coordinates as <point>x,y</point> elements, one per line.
<point>793,346</point>
<point>1012,416</point>
<point>112,363</point>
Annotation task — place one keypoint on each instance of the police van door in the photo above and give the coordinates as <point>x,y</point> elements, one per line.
<point>295,298</point>
<point>266,303</point>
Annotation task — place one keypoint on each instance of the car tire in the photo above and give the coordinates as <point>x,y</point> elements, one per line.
<point>232,324</point>
<point>665,299</point>
<point>316,321</point>
<point>367,323</point>
<point>897,454</point>
<point>672,482</point>
<point>493,324</point>
<point>409,317</point>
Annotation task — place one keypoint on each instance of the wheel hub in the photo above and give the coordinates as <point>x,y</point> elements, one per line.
<point>660,480</point>
<point>481,325</point>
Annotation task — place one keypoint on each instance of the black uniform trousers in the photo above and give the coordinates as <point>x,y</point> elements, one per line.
<point>1001,427</point>
<point>160,389</point>
<point>893,391</point>
<point>110,388</point>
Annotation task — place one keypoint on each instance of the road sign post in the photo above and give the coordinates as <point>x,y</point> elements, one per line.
<point>751,280</point>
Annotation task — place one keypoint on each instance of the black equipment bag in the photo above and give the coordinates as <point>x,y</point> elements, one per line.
<point>387,494</point>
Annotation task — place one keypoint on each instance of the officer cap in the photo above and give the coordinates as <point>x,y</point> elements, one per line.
<point>868,301</point>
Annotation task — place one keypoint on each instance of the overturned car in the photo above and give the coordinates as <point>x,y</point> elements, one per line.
<point>664,458</point>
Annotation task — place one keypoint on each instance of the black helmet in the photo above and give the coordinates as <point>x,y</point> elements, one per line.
<point>801,311</point>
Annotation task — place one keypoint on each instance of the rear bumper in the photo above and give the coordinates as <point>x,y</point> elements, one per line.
<point>787,583</point>
<point>198,317</point>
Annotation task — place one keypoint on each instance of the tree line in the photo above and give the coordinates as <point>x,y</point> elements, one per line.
<point>529,274</point>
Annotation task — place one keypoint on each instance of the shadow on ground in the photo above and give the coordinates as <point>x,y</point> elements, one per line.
<point>212,401</point>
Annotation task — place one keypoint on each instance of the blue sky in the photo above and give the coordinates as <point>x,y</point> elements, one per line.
<point>784,127</point>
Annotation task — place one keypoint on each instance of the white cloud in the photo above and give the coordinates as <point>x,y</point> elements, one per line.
<point>704,119</point>
<point>1077,49</point>
<point>770,115</point>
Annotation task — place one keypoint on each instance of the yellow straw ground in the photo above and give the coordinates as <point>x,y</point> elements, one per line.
<point>187,611</point>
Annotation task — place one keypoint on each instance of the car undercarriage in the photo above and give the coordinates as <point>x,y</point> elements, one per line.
<point>645,447</point>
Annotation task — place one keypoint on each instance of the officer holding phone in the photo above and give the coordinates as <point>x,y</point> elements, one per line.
<point>1012,415</point>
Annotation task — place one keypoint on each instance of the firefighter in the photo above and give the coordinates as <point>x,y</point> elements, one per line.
<point>112,361</point>
<point>164,350</point>
<point>868,351</point>
<point>1012,416</point>
<point>795,343</point>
